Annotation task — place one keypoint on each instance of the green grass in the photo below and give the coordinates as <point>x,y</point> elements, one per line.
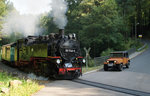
<point>25,89</point>
<point>142,50</point>
<point>84,70</point>
<point>146,47</point>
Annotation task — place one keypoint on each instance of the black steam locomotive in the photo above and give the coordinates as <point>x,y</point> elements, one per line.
<point>55,55</point>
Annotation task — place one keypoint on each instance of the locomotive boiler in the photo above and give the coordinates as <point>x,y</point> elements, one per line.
<point>54,55</point>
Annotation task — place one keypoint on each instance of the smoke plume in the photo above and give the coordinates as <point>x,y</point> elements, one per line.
<point>58,12</point>
<point>26,18</point>
<point>24,24</point>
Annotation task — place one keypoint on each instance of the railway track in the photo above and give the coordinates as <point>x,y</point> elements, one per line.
<point>112,88</point>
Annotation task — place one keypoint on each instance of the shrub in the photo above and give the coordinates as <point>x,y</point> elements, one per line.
<point>106,52</point>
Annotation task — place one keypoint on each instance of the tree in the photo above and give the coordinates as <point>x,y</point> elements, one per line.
<point>2,11</point>
<point>101,26</point>
<point>47,24</point>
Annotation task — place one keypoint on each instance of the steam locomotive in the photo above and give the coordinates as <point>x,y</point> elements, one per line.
<point>54,55</point>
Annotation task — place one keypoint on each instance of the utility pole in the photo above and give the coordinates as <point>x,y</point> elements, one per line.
<point>136,23</point>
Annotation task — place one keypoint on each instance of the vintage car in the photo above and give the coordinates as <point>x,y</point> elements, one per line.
<point>117,60</point>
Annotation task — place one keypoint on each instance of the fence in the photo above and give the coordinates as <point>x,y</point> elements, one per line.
<point>142,47</point>
<point>130,51</point>
<point>100,60</point>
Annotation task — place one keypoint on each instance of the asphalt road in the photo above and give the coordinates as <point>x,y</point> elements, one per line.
<point>141,63</point>
<point>137,77</point>
<point>69,88</point>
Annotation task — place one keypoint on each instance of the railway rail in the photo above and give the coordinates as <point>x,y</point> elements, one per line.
<point>112,88</point>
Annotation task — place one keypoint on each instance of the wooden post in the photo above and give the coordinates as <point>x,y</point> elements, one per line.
<point>87,55</point>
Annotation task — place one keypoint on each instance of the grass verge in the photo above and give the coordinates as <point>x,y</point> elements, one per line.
<point>143,49</point>
<point>25,89</point>
<point>84,69</point>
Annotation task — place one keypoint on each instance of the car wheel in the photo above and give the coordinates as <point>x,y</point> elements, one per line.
<point>105,67</point>
<point>127,65</point>
<point>120,67</point>
<point>129,62</point>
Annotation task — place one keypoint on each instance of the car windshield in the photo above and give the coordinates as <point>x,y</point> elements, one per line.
<point>116,55</point>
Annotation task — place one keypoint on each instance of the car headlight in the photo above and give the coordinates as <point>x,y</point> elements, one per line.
<point>83,61</point>
<point>107,61</point>
<point>58,61</point>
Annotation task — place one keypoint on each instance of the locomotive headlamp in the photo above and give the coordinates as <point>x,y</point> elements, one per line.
<point>107,61</point>
<point>70,36</point>
<point>115,61</point>
<point>83,61</point>
<point>58,61</point>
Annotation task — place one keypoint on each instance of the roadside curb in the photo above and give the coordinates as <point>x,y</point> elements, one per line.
<point>91,71</point>
<point>141,49</point>
<point>137,53</point>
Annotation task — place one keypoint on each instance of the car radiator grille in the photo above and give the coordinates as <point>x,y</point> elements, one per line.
<point>111,61</point>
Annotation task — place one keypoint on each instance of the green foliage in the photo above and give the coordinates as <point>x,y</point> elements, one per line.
<point>13,37</point>
<point>84,69</point>
<point>130,44</point>
<point>5,8</point>
<point>46,23</point>
<point>106,52</point>
<point>90,62</point>
<point>2,11</point>
<point>25,89</point>
<point>138,44</point>
<point>2,8</point>
<point>103,27</point>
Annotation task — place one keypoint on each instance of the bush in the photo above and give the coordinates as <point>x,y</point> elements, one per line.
<point>138,44</point>
<point>91,63</point>
<point>129,44</point>
<point>106,52</point>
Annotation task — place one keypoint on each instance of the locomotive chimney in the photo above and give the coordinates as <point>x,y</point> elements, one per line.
<point>61,32</point>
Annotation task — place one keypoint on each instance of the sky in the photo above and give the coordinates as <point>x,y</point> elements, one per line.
<point>32,6</point>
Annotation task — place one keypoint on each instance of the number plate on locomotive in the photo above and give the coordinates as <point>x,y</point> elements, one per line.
<point>70,50</point>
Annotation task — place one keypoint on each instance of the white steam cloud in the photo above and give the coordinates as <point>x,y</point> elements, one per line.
<point>24,24</point>
<point>34,77</point>
<point>59,9</point>
<point>25,21</point>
